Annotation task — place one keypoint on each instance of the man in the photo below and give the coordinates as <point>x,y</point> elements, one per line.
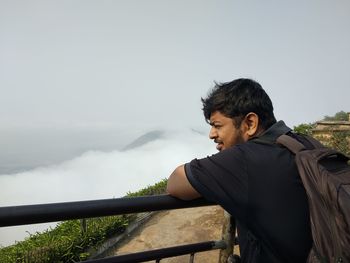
<point>251,177</point>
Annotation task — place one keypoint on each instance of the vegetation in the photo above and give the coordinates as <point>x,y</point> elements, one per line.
<point>156,189</point>
<point>338,140</point>
<point>304,128</point>
<point>70,241</point>
<point>339,116</point>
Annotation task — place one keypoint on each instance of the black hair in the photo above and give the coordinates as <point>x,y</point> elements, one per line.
<point>237,98</point>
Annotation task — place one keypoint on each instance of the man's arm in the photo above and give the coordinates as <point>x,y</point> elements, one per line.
<point>179,186</point>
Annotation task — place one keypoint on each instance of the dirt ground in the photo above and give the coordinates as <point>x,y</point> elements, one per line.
<point>178,227</point>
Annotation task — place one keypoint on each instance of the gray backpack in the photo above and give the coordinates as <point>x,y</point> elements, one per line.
<point>325,174</point>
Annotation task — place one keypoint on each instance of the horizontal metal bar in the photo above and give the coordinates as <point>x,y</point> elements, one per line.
<point>162,253</point>
<point>32,214</point>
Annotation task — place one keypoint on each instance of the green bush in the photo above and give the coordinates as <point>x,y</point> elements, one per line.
<point>156,189</point>
<point>304,128</point>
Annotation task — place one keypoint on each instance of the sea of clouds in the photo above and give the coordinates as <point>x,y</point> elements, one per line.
<point>99,175</point>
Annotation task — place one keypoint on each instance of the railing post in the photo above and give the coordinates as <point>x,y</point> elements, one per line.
<point>191,258</point>
<point>83,226</point>
<point>228,235</point>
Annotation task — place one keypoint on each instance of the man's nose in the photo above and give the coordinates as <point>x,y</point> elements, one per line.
<point>213,133</point>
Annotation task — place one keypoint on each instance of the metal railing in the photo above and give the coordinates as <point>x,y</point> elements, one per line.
<point>32,214</point>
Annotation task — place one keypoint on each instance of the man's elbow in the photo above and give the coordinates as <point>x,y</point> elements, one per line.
<point>170,189</point>
<point>174,183</point>
<point>179,193</point>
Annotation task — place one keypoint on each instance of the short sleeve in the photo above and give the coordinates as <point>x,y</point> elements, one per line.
<point>222,178</point>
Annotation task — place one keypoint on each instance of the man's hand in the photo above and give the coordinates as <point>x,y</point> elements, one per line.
<point>179,186</point>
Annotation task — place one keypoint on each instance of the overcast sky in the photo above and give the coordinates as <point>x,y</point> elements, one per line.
<point>147,63</point>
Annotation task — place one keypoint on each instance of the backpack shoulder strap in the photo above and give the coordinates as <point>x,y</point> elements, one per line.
<point>290,143</point>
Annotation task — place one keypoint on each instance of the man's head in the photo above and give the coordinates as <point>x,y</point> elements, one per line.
<point>237,111</point>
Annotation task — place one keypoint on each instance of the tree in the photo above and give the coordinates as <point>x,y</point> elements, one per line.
<point>304,128</point>
<point>340,141</point>
<point>339,116</point>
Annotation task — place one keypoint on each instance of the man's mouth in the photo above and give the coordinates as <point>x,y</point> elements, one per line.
<point>219,145</point>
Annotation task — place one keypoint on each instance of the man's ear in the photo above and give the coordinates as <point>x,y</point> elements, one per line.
<point>251,121</point>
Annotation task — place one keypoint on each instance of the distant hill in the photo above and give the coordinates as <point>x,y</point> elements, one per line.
<point>143,139</point>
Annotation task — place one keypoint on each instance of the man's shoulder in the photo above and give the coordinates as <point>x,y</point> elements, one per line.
<point>259,143</point>
<point>246,147</point>
<point>246,152</point>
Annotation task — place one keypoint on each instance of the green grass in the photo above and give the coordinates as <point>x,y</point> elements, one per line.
<point>69,241</point>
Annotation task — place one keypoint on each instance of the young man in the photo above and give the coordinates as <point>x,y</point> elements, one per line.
<point>251,177</point>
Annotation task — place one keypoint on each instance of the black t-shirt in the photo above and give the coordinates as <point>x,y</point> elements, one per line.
<point>259,185</point>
